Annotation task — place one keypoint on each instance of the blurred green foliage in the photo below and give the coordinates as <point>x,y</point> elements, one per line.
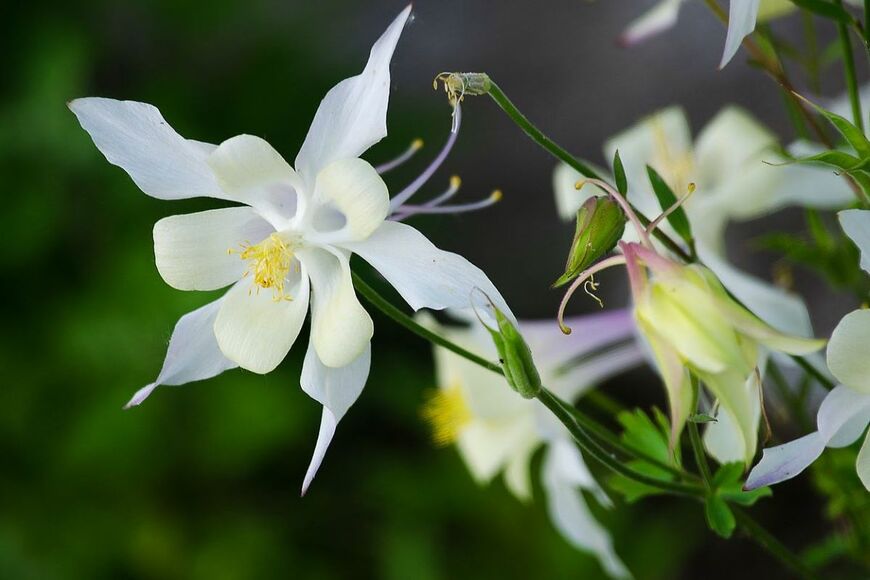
<point>203,480</point>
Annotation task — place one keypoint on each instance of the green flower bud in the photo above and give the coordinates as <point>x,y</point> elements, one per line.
<point>600,225</point>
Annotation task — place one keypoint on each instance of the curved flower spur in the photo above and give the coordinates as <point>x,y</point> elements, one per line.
<point>290,242</point>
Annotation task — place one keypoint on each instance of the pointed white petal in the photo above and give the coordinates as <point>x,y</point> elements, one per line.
<point>353,115</point>
<point>848,351</point>
<point>571,516</point>
<point>659,18</point>
<point>354,188</point>
<point>843,416</point>
<point>340,327</point>
<point>731,139</point>
<point>336,389</point>
<point>250,171</point>
<point>856,225</point>
<point>136,138</point>
<point>724,439</point>
<point>191,249</point>
<point>862,465</point>
<point>425,276</point>
<point>516,474</point>
<point>193,353</point>
<point>785,461</point>
<point>741,23</point>
<point>257,331</point>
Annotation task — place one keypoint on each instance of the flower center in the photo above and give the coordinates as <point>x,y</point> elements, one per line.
<point>269,264</point>
<point>447,413</point>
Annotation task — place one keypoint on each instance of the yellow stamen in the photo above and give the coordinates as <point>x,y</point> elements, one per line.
<point>447,413</point>
<point>270,262</point>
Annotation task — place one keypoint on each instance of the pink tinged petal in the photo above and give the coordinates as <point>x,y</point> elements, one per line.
<point>590,333</point>
<point>252,172</point>
<point>193,353</point>
<point>353,188</point>
<point>336,389</point>
<point>571,515</point>
<point>843,416</point>
<point>862,465</point>
<point>135,137</point>
<point>785,461</point>
<point>849,351</point>
<point>255,329</point>
<point>425,276</point>
<point>655,21</point>
<point>741,23</point>
<point>353,115</point>
<point>856,225</point>
<point>340,327</point>
<point>191,250</point>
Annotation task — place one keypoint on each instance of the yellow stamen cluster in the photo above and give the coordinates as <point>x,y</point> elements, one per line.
<point>447,413</point>
<point>270,262</point>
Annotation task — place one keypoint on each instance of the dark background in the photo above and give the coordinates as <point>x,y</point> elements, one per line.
<point>202,481</point>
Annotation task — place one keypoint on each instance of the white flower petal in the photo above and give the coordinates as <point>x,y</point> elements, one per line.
<point>572,517</point>
<point>656,20</point>
<point>856,225</point>
<point>724,439</point>
<point>591,371</point>
<point>257,331</point>
<point>862,465</point>
<point>425,276</point>
<point>488,446</point>
<point>336,389</point>
<point>785,461</point>
<point>193,353</point>
<point>783,311</point>
<point>355,189</point>
<point>353,115</point>
<point>848,351</point>
<point>191,249</point>
<point>516,473</point>
<point>728,142</point>
<point>136,138</point>
<point>250,171</point>
<point>340,326</point>
<point>843,416</point>
<point>741,23</point>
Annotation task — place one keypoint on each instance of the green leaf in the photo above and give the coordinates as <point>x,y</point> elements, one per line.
<point>836,159</point>
<point>667,199</point>
<point>853,135</point>
<point>702,418</point>
<point>727,474</point>
<point>632,490</point>
<point>619,174</point>
<point>825,9</point>
<point>745,498</point>
<point>719,516</point>
<point>642,434</point>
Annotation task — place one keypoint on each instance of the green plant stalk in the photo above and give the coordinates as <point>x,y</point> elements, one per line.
<point>813,372</point>
<point>849,66</point>
<point>549,400</point>
<point>769,542</point>
<point>695,441</point>
<point>558,152</point>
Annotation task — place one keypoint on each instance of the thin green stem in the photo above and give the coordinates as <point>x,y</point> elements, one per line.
<point>695,440</point>
<point>785,392</point>
<point>549,400</point>
<point>866,25</point>
<point>849,70</point>
<point>403,319</point>
<point>558,152</point>
<point>769,542</point>
<point>590,446</point>
<point>813,371</point>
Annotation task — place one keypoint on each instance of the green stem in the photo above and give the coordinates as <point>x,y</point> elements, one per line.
<point>590,446</point>
<point>813,371</point>
<point>554,404</point>
<point>695,440</point>
<point>867,24</point>
<point>769,542</point>
<point>558,152</point>
<point>849,66</point>
<point>403,319</point>
<point>785,392</point>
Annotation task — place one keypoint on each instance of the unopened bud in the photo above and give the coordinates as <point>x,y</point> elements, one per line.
<point>600,225</point>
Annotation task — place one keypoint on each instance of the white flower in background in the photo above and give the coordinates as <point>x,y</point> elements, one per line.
<point>845,413</point>
<point>731,165</point>
<point>289,244</point>
<point>742,17</point>
<point>497,431</point>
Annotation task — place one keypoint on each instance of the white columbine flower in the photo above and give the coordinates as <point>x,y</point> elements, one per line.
<point>845,413</point>
<point>289,244</point>
<point>742,17</point>
<point>497,431</point>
